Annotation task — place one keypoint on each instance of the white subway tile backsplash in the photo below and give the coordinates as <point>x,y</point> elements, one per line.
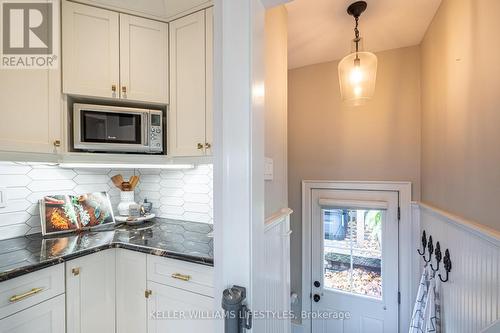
<point>91,179</point>
<point>14,230</point>
<point>7,168</point>
<point>169,174</point>
<point>172,201</point>
<point>184,195</point>
<point>196,188</point>
<point>51,185</point>
<point>14,180</point>
<point>196,198</point>
<point>172,192</point>
<point>172,183</point>
<point>14,218</point>
<point>17,205</point>
<point>13,193</point>
<point>88,188</point>
<point>196,179</point>
<point>49,174</point>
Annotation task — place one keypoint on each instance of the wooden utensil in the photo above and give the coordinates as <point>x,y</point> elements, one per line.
<point>126,186</point>
<point>117,180</point>
<point>134,180</point>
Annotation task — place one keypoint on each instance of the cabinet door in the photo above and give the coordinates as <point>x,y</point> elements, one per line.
<point>90,43</point>
<point>31,109</point>
<point>187,85</point>
<point>45,317</point>
<point>209,33</point>
<point>90,293</point>
<point>143,59</point>
<point>131,302</point>
<point>166,305</point>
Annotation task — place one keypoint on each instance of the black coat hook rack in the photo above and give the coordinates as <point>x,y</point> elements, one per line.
<point>438,255</point>
<point>428,246</point>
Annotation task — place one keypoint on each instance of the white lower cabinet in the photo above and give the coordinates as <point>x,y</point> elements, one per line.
<point>173,310</point>
<point>131,302</point>
<point>45,317</point>
<point>115,290</point>
<point>90,293</point>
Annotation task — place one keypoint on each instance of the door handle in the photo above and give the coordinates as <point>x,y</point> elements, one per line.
<point>316,298</point>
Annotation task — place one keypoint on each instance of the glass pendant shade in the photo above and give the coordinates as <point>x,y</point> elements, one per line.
<point>357,75</point>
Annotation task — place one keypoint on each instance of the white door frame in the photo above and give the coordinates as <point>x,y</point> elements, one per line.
<point>239,149</point>
<point>405,239</point>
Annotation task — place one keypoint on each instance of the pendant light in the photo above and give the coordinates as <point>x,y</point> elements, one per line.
<point>358,70</point>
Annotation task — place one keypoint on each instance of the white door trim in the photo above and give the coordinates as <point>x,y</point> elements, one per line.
<point>238,150</point>
<point>405,239</point>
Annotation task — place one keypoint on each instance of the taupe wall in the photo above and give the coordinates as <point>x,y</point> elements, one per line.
<point>276,190</point>
<point>327,140</point>
<point>461,110</point>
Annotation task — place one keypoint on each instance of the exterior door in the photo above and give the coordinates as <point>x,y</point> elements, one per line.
<point>354,261</point>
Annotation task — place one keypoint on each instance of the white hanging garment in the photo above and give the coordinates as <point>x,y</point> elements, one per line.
<point>433,315</point>
<point>417,324</point>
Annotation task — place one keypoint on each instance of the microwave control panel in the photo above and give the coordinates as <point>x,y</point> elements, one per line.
<point>156,131</point>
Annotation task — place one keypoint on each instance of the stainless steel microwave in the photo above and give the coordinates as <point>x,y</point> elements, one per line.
<point>117,129</point>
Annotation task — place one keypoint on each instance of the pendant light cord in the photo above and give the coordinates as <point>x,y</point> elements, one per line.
<point>356,34</point>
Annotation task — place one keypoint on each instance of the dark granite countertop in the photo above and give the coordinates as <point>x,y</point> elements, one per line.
<point>188,241</point>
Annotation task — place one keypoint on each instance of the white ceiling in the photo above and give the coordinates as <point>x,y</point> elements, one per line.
<point>321,30</point>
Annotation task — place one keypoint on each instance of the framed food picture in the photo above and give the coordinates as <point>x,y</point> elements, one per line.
<point>69,213</point>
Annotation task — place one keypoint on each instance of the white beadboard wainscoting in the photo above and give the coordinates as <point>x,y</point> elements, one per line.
<point>177,194</point>
<point>470,300</point>
<point>277,271</point>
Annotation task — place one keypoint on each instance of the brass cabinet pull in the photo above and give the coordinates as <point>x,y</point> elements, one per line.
<point>17,298</point>
<point>208,145</point>
<point>57,143</point>
<point>75,271</point>
<point>124,89</point>
<point>182,277</point>
<point>113,87</point>
<point>148,293</point>
<point>200,146</point>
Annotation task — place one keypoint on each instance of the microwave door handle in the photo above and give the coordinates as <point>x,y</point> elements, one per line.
<point>146,129</point>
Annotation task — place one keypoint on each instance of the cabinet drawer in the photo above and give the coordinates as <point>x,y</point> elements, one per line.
<point>47,317</point>
<point>30,289</point>
<point>180,274</point>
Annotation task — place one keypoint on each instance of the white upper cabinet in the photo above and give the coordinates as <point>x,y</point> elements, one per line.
<point>188,85</point>
<point>111,55</point>
<point>143,59</point>
<point>91,53</point>
<point>159,9</point>
<point>31,108</point>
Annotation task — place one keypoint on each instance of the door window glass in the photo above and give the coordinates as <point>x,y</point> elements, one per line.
<point>353,251</point>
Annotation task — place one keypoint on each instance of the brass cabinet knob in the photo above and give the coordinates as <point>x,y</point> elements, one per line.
<point>200,146</point>
<point>208,145</point>
<point>75,271</point>
<point>113,88</point>
<point>57,143</point>
<point>124,89</point>
<point>148,293</point>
